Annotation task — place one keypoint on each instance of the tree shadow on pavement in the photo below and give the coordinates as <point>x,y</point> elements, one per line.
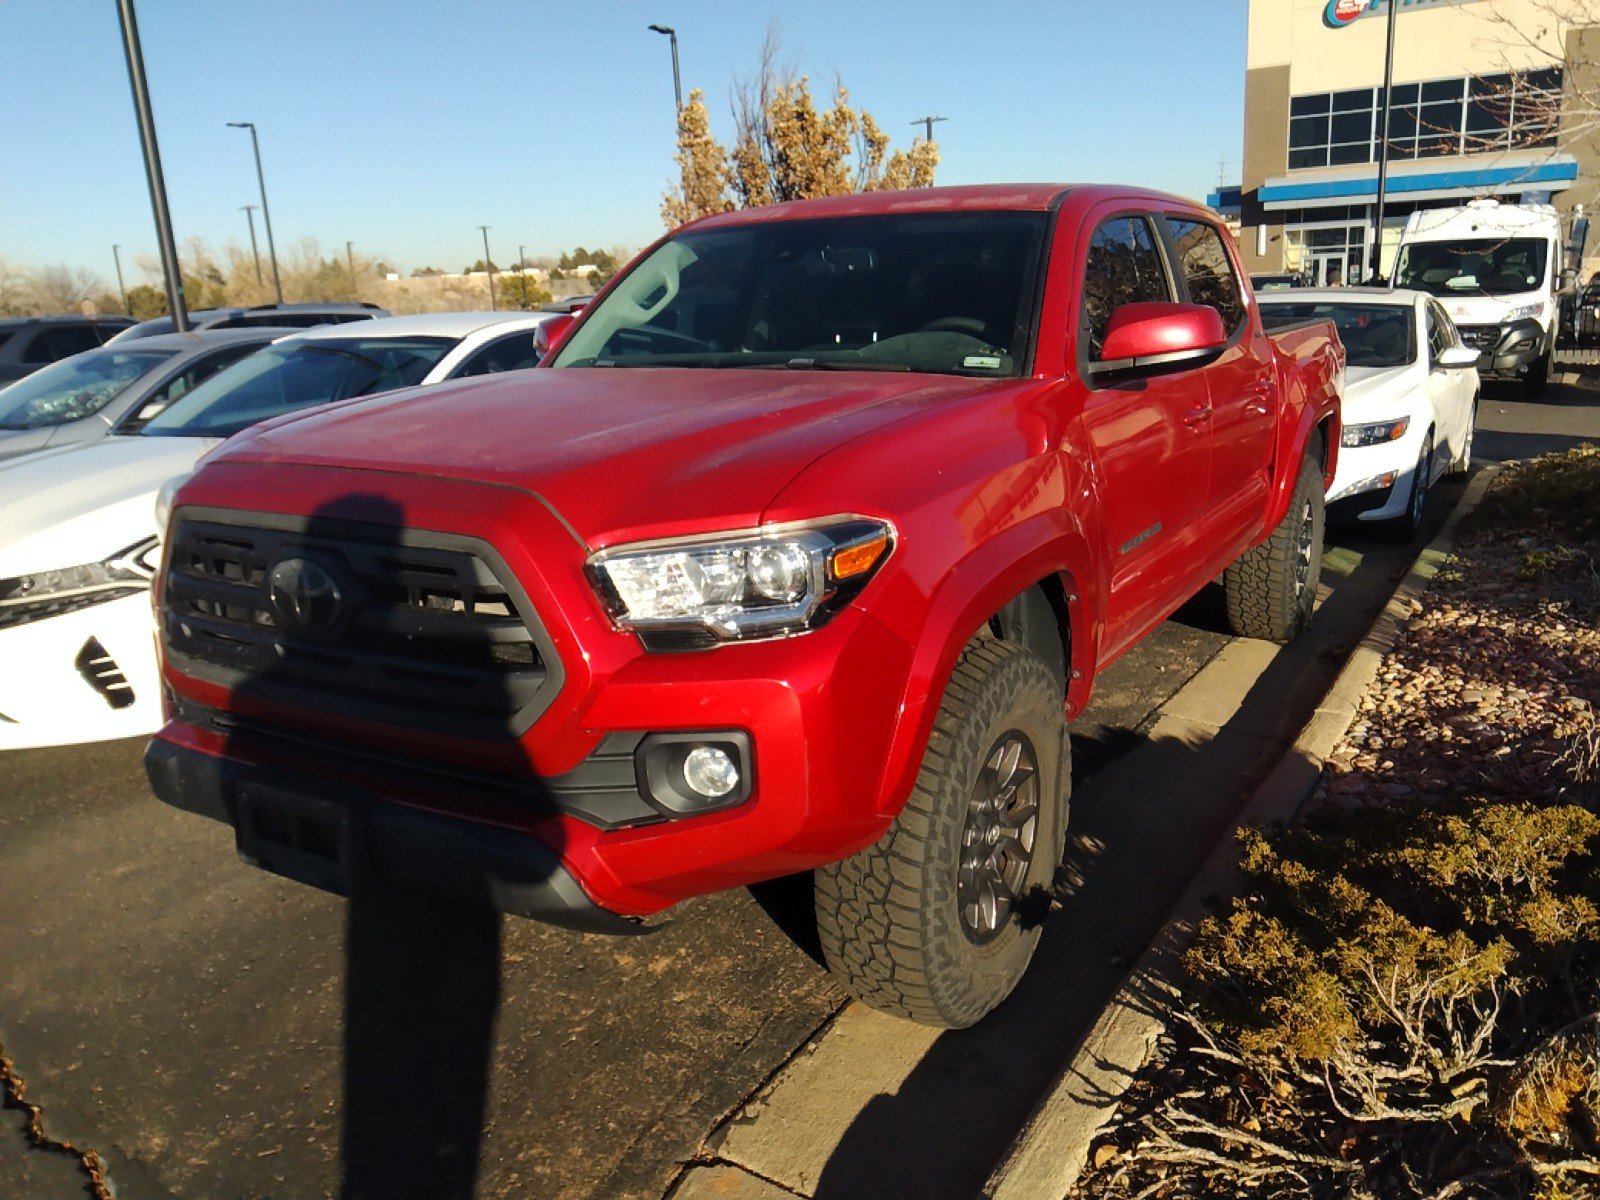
<point>423,969</point>
<point>1141,826</point>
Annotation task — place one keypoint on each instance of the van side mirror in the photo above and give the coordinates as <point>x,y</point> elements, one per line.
<point>1159,338</point>
<point>550,334</point>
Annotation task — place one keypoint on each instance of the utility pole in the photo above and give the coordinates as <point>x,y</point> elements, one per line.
<point>677,83</point>
<point>522,276</point>
<point>1383,145</point>
<point>266,213</point>
<point>250,217</point>
<point>928,123</point>
<point>350,257</point>
<point>116,257</point>
<point>488,266</point>
<point>171,269</point>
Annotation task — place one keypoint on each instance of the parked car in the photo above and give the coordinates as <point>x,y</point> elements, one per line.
<point>281,316</point>
<point>28,343</point>
<point>1410,398</point>
<point>796,553</point>
<point>78,530</point>
<point>1276,283</point>
<point>87,396</point>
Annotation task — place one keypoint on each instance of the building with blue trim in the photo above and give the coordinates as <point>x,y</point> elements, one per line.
<point>1484,102</point>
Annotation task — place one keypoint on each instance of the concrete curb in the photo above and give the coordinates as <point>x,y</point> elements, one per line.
<point>1051,1151</point>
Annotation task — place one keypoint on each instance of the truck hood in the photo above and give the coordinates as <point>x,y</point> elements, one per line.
<point>81,504</point>
<point>608,446</point>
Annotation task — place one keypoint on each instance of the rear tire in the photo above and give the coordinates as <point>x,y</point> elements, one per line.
<point>1463,461</point>
<point>919,924</point>
<point>1272,589</point>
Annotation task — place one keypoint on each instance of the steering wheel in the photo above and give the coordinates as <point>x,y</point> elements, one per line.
<point>968,325</point>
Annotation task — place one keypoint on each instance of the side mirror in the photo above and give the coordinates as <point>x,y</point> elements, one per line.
<point>1158,338</point>
<point>548,336</point>
<point>1457,358</point>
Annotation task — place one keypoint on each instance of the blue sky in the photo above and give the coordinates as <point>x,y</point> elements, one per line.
<point>405,125</point>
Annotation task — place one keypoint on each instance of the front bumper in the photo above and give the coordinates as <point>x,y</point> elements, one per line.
<point>1373,483</point>
<point>59,676</point>
<point>1505,350</point>
<point>335,838</point>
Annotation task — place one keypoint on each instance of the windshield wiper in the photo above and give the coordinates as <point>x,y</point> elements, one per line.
<point>823,364</point>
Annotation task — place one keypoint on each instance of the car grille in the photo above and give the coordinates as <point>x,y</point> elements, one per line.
<point>1482,338</point>
<point>431,630</point>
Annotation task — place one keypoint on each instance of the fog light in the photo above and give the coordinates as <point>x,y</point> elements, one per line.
<point>709,772</point>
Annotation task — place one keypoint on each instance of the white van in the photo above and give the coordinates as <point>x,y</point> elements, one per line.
<point>1498,270</point>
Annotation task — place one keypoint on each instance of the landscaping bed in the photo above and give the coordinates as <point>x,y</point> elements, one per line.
<point>1403,1002</point>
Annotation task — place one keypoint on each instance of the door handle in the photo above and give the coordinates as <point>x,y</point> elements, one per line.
<point>1197,415</point>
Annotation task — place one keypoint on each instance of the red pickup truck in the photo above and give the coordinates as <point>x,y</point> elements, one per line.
<point>797,553</point>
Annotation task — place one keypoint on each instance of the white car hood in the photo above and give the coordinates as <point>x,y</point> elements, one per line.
<point>81,504</point>
<point>1379,393</point>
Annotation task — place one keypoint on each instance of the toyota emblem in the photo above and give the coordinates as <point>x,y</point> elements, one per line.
<point>304,595</point>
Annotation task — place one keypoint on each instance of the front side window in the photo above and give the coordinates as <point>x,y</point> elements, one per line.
<point>1206,269</point>
<point>78,387</point>
<point>1124,267</point>
<point>1493,266</point>
<point>945,293</point>
<point>288,376</point>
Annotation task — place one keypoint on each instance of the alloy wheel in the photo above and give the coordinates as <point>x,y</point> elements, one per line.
<point>997,839</point>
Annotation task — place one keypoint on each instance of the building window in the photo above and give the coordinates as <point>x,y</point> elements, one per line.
<point>1434,119</point>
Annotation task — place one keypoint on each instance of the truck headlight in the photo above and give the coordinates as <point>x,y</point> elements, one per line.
<point>1374,434</point>
<point>1528,312</point>
<point>761,583</point>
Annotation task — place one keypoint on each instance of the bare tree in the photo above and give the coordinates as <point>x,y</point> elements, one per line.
<point>62,289</point>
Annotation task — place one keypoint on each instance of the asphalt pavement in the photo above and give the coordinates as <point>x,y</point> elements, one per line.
<point>219,1032</point>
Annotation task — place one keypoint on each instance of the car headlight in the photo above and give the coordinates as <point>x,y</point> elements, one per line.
<point>762,583</point>
<point>1374,434</point>
<point>1528,312</point>
<point>42,594</point>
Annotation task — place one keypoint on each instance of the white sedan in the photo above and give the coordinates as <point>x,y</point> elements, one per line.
<point>1410,398</point>
<point>78,535</point>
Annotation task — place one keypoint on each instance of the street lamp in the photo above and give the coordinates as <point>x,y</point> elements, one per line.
<point>677,84</point>
<point>171,269</point>
<point>488,265</point>
<point>350,257</point>
<point>266,214</point>
<point>116,257</point>
<point>249,211</point>
<point>522,277</point>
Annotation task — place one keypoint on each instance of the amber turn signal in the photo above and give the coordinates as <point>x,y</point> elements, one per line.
<point>858,559</point>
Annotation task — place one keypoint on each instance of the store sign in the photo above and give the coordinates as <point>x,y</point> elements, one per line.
<point>1340,13</point>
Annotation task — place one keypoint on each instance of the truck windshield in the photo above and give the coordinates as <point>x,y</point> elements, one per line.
<point>1374,335</point>
<point>1492,266</point>
<point>945,293</point>
<point>75,387</point>
<point>294,375</point>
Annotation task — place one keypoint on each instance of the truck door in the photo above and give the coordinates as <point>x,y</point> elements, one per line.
<point>1242,388</point>
<point>1150,441</point>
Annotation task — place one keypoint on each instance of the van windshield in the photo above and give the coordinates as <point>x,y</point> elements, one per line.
<point>1491,266</point>
<point>947,293</point>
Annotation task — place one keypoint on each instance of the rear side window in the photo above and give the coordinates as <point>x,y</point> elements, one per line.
<point>1207,270</point>
<point>67,340</point>
<point>514,353</point>
<point>1124,267</point>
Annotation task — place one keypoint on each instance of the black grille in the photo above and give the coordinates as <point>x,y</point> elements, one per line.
<point>1482,338</point>
<point>431,631</point>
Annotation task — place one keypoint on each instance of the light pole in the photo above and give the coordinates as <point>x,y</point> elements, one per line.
<point>928,123</point>
<point>249,211</point>
<point>266,213</point>
<point>677,83</point>
<point>350,257</point>
<point>171,269</point>
<point>1383,146</point>
<point>116,257</point>
<point>488,265</point>
<point>522,276</point>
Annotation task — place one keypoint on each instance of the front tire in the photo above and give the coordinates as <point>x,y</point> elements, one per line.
<point>1408,525</point>
<point>1463,461</point>
<point>1272,589</point>
<point>939,918</point>
<point>1537,381</point>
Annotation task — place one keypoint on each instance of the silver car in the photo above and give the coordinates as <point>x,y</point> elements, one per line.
<point>85,397</point>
